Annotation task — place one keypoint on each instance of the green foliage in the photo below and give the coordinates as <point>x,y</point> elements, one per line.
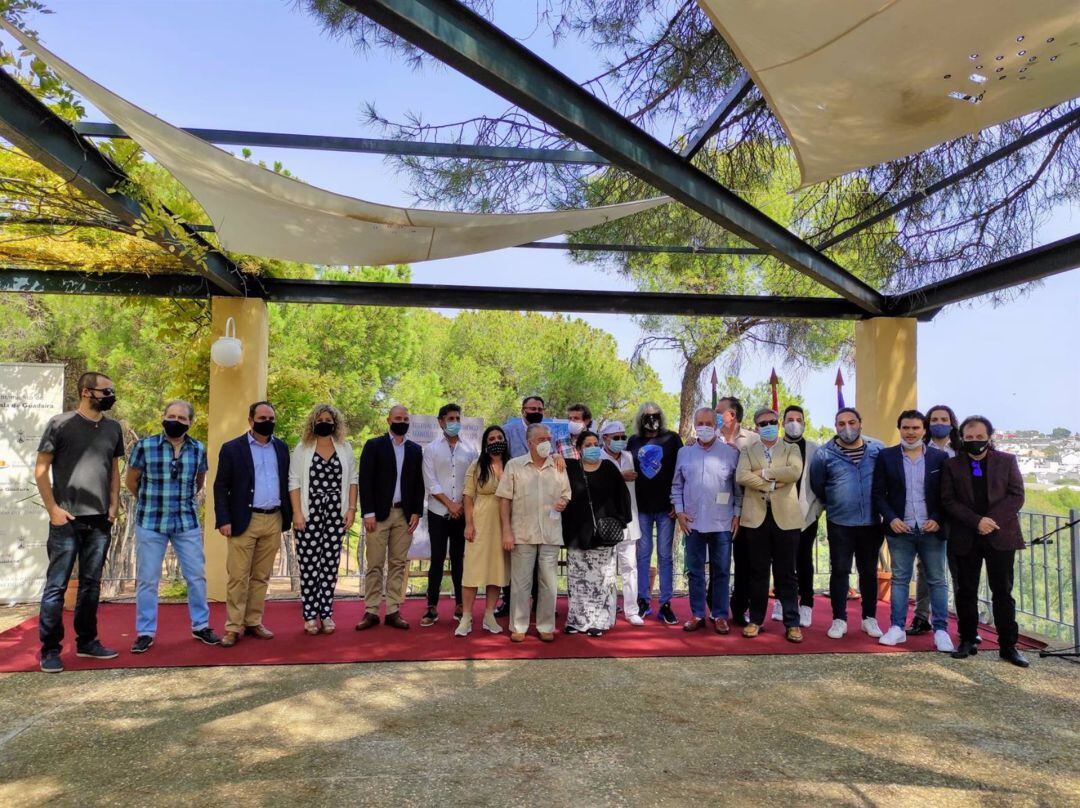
<point>1060,433</point>
<point>1057,502</point>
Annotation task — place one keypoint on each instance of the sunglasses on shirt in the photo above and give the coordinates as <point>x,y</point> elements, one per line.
<point>174,467</point>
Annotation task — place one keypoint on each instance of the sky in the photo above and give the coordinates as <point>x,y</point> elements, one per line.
<point>262,65</point>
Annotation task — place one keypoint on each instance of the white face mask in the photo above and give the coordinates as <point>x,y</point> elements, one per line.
<point>543,449</point>
<point>793,429</point>
<point>576,427</point>
<point>915,444</point>
<point>705,434</point>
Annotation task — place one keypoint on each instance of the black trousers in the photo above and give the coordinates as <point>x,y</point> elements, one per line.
<point>863,542</point>
<point>87,540</point>
<point>770,547</point>
<point>740,587</point>
<point>999,575</point>
<point>444,533</point>
<point>804,565</point>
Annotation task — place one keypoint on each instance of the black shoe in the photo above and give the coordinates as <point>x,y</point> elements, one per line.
<point>51,663</point>
<point>503,609</point>
<point>978,639</point>
<point>430,618</point>
<point>207,636</point>
<point>644,607</point>
<point>96,650</point>
<point>143,643</point>
<point>919,625</point>
<point>594,632</point>
<point>667,616</point>
<point>571,630</point>
<point>967,648</point>
<point>1013,656</point>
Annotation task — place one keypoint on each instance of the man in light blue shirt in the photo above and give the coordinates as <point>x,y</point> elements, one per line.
<point>707,506</point>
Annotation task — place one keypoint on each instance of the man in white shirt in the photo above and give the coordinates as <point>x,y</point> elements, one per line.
<point>613,436</point>
<point>446,460</point>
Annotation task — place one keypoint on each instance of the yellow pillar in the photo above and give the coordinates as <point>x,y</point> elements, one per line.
<point>885,374</point>
<point>232,391</point>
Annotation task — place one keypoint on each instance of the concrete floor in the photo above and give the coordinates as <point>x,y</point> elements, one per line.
<point>821,730</point>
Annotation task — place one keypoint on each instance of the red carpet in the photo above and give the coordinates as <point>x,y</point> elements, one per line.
<point>19,647</point>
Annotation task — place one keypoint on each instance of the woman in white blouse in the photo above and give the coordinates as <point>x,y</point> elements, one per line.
<point>323,483</point>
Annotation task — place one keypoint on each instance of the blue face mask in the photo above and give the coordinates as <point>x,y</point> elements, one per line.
<point>617,446</point>
<point>770,432</point>
<point>592,454</point>
<point>452,428</point>
<point>940,431</point>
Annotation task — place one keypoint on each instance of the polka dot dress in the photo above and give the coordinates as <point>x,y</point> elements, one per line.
<point>319,546</point>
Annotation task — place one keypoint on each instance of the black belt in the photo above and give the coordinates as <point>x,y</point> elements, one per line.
<point>266,510</point>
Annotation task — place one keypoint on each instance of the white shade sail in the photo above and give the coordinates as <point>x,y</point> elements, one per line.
<point>856,83</point>
<point>259,212</point>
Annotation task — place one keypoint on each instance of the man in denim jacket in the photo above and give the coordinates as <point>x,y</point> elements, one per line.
<point>842,477</point>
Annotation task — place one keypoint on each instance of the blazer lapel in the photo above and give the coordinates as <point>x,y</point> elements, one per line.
<point>249,462</point>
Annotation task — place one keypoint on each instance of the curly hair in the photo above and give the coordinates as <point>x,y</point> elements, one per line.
<point>307,435</point>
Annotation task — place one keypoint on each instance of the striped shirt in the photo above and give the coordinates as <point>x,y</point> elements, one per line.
<point>167,483</point>
<point>855,455</point>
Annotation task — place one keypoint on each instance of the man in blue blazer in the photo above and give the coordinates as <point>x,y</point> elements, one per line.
<point>251,509</point>
<point>907,494</point>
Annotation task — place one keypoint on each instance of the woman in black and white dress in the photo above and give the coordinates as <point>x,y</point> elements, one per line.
<point>323,484</point>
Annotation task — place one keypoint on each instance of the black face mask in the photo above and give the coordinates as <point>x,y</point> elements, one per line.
<point>976,447</point>
<point>174,429</point>
<point>497,448</point>
<point>102,404</point>
<point>399,428</point>
<point>264,428</point>
<point>651,422</point>
<point>534,417</point>
<point>324,429</point>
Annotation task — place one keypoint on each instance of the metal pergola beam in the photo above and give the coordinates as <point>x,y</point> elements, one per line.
<point>473,46</point>
<point>1051,259</point>
<point>365,145</point>
<point>731,99</point>
<point>48,139</point>
<point>639,248</point>
<point>360,293</point>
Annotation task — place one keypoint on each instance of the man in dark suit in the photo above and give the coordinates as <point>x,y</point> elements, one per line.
<point>392,501</point>
<point>982,492</point>
<point>251,508</point>
<point>907,495</point>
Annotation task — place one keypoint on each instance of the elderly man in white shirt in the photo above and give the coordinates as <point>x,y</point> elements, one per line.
<point>446,459</point>
<point>613,437</point>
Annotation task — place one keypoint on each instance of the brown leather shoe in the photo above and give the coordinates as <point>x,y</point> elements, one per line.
<point>230,639</point>
<point>517,636</point>
<point>693,624</point>
<point>720,626</point>
<point>751,630</point>
<point>395,620</point>
<point>793,634</point>
<point>546,636</point>
<point>260,631</point>
<point>370,620</point>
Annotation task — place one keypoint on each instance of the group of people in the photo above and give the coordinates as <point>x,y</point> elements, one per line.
<point>504,510</point>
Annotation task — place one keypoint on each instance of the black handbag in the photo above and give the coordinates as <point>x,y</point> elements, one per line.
<point>607,530</point>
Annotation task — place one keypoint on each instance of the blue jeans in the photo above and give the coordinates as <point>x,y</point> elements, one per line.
<point>86,539</point>
<point>665,536</point>
<point>930,548</point>
<point>718,545</point>
<point>149,553</point>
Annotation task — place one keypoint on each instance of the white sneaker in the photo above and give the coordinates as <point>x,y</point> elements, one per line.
<point>894,636</point>
<point>943,642</point>
<point>464,627</point>
<point>635,620</point>
<point>837,630</point>
<point>806,616</point>
<point>492,626</point>
<point>870,626</point>
<point>777,611</point>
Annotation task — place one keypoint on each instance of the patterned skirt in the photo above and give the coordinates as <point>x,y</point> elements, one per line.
<point>591,588</point>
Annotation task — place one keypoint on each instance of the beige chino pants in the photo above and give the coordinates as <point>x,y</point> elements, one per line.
<point>387,547</point>
<point>248,562</point>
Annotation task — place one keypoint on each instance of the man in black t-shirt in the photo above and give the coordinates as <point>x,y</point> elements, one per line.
<point>78,477</point>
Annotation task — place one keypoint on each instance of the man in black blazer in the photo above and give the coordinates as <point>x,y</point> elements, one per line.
<point>251,508</point>
<point>392,501</point>
<point>907,495</point>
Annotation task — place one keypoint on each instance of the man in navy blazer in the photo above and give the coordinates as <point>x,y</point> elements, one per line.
<point>907,495</point>
<point>392,501</point>
<point>251,508</point>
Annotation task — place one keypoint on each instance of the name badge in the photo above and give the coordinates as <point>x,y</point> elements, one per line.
<point>723,497</point>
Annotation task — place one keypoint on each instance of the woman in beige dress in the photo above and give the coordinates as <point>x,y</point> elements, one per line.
<point>486,563</point>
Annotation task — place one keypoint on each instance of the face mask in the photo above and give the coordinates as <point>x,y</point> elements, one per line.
<point>324,429</point>
<point>849,434</point>
<point>264,428</point>
<point>174,429</point>
<point>399,428</point>
<point>770,432</point>
<point>452,428</point>
<point>591,454</point>
<point>976,447</point>
<point>617,446</point>
<point>534,417</point>
<point>705,434</point>
<point>914,444</point>
<point>793,429</point>
<point>497,447</point>
<point>543,449</point>
<point>576,427</point>
<point>940,431</point>
<point>103,404</point>
<point>651,422</point>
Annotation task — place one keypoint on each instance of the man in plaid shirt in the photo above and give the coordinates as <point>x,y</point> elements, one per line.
<point>165,474</point>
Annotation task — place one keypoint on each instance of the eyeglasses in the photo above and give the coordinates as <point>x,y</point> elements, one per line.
<point>976,469</point>
<point>174,467</point>
<point>773,422</point>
